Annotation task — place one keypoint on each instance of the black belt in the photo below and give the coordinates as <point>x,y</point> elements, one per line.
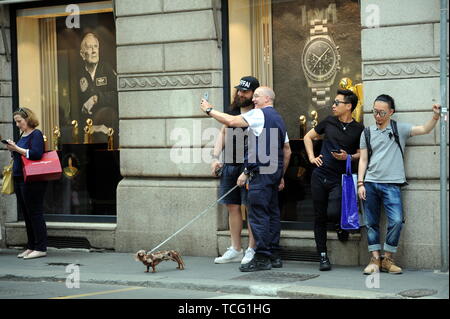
<point>235,164</point>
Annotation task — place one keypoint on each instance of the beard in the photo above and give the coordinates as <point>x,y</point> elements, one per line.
<point>239,102</point>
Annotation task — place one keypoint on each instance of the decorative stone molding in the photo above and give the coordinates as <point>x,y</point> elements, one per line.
<point>165,81</point>
<point>401,69</point>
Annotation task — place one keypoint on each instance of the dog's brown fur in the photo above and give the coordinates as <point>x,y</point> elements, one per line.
<point>153,259</point>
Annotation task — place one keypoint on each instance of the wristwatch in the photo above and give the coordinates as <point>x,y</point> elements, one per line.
<point>209,109</point>
<point>320,63</point>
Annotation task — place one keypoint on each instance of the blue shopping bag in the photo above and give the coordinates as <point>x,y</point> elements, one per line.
<point>349,204</point>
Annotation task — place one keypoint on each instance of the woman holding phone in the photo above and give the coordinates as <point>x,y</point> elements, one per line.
<point>30,195</point>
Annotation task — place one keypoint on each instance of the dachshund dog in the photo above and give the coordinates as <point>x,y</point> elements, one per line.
<point>153,259</point>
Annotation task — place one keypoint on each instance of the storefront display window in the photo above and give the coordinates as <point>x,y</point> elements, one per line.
<point>305,50</point>
<point>66,62</point>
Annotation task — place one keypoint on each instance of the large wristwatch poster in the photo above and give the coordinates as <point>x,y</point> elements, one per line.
<point>315,45</point>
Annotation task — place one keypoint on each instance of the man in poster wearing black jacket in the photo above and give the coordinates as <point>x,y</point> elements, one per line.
<point>97,88</point>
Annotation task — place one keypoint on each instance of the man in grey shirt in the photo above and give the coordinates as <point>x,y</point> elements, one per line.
<point>380,178</point>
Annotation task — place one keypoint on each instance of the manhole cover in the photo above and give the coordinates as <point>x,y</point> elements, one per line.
<point>417,293</point>
<point>276,277</point>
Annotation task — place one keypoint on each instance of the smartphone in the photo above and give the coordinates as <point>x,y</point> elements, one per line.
<point>206,96</point>
<point>5,142</point>
<point>219,171</point>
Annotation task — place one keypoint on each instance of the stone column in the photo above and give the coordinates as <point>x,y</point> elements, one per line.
<point>7,202</point>
<point>167,57</point>
<point>400,54</point>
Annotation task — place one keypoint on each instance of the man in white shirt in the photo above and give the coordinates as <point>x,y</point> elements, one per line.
<point>266,160</point>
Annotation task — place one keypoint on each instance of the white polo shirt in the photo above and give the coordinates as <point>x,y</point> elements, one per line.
<point>255,120</point>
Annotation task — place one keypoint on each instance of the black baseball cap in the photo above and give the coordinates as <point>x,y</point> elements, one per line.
<point>247,83</point>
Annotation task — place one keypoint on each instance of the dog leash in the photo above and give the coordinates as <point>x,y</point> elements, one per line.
<point>193,220</point>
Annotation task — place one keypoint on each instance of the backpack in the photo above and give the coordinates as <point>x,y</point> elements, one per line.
<point>396,137</point>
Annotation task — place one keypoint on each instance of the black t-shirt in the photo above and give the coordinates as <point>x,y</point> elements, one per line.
<point>338,135</point>
<point>236,142</point>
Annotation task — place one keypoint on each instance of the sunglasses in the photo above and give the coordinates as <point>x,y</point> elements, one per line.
<point>337,102</point>
<point>21,110</point>
<point>380,113</point>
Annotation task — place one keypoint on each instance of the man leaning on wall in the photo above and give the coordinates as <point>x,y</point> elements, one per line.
<point>381,173</point>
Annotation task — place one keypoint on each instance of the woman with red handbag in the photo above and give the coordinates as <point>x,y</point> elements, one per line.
<point>30,195</point>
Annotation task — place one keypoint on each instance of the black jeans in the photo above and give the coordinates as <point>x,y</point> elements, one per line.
<point>326,194</point>
<point>30,201</point>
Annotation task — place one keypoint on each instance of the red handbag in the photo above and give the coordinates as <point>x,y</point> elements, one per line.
<point>48,168</point>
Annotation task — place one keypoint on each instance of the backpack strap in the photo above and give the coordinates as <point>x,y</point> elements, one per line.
<point>396,137</point>
<point>369,147</point>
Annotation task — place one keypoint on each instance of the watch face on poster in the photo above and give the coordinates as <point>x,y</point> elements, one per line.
<point>320,59</point>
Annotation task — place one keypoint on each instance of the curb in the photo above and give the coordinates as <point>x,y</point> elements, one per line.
<point>287,291</point>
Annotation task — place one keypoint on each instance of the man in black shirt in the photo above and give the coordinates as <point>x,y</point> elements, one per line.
<point>232,149</point>
<point>341,140</point>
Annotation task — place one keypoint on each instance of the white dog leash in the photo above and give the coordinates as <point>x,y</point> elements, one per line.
<point>193,220</point>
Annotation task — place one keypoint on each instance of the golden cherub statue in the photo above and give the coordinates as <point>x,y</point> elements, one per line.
<point>110,139</point>
<point>347,84</point>
<point>302,120</point>
<point>56,136</point>
<point>88,131</point>
<point>315,117</point>
<point>75,132</point>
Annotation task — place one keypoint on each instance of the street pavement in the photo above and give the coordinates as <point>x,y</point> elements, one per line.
<point>83,268</point>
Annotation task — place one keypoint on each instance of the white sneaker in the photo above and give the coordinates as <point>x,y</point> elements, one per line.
<point>25,253</point>
<point>249,254</point>
<point>35,254</point>
<point>230,256</point>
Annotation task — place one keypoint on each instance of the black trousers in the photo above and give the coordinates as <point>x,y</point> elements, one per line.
<point>30,201</point>
<point>326,194</point>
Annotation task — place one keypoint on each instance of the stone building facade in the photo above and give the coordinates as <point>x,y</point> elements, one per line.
<point>169,52</point>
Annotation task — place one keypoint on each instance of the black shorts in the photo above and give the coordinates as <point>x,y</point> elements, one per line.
<point>228,180</point>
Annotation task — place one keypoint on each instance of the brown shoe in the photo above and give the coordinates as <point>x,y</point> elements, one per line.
<point>373,266</point>
<point>388,265</point>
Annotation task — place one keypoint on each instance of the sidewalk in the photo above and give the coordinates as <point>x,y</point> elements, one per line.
<point>294,280</point>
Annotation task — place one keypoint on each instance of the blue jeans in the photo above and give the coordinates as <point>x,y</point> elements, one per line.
<point>390,196</point>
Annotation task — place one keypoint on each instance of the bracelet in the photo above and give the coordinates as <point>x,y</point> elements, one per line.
<point>438,117</point>
<point>360,185</point>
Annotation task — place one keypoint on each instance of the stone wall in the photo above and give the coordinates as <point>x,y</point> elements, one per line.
<point>401,58</point>
<point>167,57</point>
<point>7,202</point>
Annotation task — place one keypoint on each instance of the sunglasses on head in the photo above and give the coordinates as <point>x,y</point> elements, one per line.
<point>21,110</point>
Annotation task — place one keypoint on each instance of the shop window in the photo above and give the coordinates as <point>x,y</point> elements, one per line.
<point>305,50</point>
<point>66,62</point>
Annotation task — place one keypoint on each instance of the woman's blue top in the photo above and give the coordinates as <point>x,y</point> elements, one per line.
<point>34,142</point>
